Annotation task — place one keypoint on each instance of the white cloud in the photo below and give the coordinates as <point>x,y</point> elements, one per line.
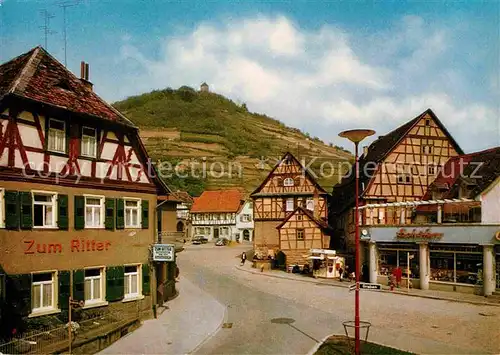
<point>319,80</point>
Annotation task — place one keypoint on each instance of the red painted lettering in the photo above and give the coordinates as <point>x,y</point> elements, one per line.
<point>93,245</point>
<point>29,246</point>
<point>100,246</point>
<point>75,245</point>
<point>56,248</point>
<point>108,244</point>
<point>40,250</point>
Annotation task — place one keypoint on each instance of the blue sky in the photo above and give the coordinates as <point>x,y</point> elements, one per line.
<point>322,66</point>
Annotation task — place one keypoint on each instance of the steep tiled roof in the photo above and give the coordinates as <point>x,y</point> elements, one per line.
<point>343,193</point>
<point>38,76</point>
<point>479,169</point>
<point>218,201</point>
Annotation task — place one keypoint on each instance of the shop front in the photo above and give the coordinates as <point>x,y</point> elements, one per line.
<point>462,258</point>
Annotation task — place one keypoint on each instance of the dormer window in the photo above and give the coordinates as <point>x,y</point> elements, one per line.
<point>288,182</point>
<point>64,85</point>
<point>89,142</point>
<point>57,136</point>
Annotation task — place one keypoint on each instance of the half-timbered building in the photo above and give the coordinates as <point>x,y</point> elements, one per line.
<point>300,232</point>
<point>398,166</point>
<point>288,186</point>
<point>77,196</point>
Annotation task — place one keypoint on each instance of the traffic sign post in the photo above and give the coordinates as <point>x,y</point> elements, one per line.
<point>369,286</point>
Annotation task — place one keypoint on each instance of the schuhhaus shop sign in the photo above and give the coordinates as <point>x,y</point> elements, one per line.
<point>444,257</point>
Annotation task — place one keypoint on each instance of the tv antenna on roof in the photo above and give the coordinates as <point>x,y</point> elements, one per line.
<point>46,27</point>
<point>65,5</point>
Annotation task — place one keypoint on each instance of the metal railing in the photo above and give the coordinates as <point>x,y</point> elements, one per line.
<point>55,339</point>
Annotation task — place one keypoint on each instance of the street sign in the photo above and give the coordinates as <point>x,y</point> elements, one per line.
<point>368,286</point>
<point>352,287</point>
<point>163,252</point>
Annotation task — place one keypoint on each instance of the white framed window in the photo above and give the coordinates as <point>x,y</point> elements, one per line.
<point>94,285</point>
<point>2,208</point>
<point>131,282</point>
<point>43,292</point>
<point>132,213</point>
<point>44,209</point>
<point>288,182</point>
<point>427,149</point>
<point>310,204</point>
<point>89,142</point>
<point>57,136</point>
<point>431,170</point>
<point>289,204</point>
<point>94,211</point>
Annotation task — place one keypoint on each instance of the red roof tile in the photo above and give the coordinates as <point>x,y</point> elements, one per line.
<point>38,76</point>
<point>218,201</point>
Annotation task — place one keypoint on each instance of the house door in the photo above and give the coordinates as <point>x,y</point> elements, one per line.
<point>216,233</point>
<point>246,234</point>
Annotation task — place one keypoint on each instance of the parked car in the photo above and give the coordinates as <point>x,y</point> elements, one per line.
<point>221,242</point>
<point>199,240</point>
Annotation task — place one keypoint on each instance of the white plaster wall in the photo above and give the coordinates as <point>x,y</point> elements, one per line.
<point>490,205</point>
<point>109,150</point>
<point>29,136</point>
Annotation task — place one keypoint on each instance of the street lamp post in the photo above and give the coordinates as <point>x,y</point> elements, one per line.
<point>356,136</point>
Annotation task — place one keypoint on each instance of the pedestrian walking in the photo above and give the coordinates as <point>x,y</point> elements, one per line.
<point>243,258</point>
<point>341,274</point>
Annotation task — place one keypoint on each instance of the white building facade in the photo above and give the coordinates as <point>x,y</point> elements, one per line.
<point>244,222</point>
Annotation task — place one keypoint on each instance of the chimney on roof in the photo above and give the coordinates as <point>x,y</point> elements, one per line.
<point>84,75</point>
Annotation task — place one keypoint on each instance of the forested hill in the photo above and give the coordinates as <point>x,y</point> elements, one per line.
<point>194,128</point>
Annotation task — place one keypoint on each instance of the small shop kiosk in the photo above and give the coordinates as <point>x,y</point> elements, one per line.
<point>326,263</point>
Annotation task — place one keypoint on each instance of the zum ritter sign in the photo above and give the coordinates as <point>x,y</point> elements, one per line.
<point>163,252</point>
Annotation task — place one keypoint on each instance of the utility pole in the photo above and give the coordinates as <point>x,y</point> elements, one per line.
<point>46,27</point>
<point>64,5</point>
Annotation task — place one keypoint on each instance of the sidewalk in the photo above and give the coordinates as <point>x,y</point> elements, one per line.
<point>432,294</point>
<point>190,319</point>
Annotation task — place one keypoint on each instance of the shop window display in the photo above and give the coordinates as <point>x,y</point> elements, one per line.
<point>456,267</point>
<point>389,260</point>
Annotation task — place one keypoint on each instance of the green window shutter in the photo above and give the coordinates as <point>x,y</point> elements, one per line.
<point>109,221</point>
<point>120,214</point>
<point>64,289</point>
<point>79,212</point>
<point>18,295</point>
<point>115,287</point>
<point>26,210</point>
<point>12,208</point>
<point>146,280</point>
<point>79,285</point>
<point>62,212</point>
<point>145,214</point>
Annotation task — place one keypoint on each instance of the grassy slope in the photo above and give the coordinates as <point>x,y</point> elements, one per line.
<point>188,126</point>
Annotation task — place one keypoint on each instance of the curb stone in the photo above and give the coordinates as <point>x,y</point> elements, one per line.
<point>213,333</point>
<point>315,281</point>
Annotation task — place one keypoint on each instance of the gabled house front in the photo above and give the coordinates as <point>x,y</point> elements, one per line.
<point>398,166</point>
<point>77,198</point>
<point>289,187</point>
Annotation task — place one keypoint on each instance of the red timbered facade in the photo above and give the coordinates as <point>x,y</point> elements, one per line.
<point>288,186</point>
<point>77,195</point>
<point>396,167</point>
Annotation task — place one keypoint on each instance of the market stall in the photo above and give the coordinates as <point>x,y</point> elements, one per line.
<point>326,263</point>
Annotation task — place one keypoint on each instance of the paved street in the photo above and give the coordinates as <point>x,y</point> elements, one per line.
<point>253,301</point>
